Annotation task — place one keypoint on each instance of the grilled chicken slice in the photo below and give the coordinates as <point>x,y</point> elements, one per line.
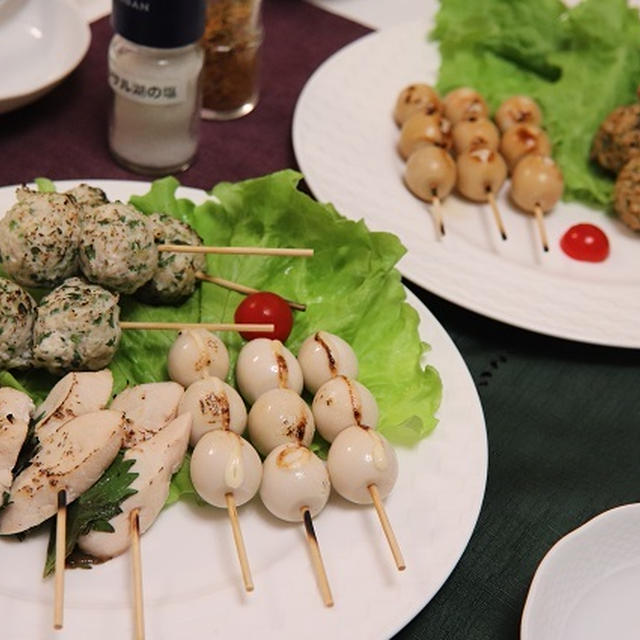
<point>71,458</point>
<point>148,409</point>
<point>77,393</point>
<point>156,460</point>
<point>16,409</point>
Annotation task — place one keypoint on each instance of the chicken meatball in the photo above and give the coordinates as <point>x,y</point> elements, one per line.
<point>618,138</point>
<point>76,327</point>
<point>117,249</point>
<point>39,238</point>
<point>175,275</point>
<point>626,200</point>
<point>17,313</point>
<point>87,196</point>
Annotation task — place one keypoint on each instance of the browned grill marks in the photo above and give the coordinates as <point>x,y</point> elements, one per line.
<point>354,398</point>
<point>330,358</point>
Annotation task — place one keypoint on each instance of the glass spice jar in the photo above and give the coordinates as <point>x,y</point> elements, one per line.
<point>231,42</point>
<point>155,63</point>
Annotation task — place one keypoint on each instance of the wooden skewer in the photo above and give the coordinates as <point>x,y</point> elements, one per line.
<point>316,558</point>
<point>138,603</point>
<point>386,527</point>
<point>249,251</point>
<point>211,326</point>
<point>496,214</point>
<point>437,213</point>
<point>541,227</point>
<point>237,538</point>
<point>240,288</point>
<point>61,544</point>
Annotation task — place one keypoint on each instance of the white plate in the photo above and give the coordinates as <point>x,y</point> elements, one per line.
<point>41,42</point>
<point>587,586</point>
<point>192,583</point>
<point>344,139</point>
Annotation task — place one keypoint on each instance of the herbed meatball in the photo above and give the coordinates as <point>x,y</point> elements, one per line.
<point>117,249</point>
<point>626,200</point>
<point>87,196</point>
<point>39,238</point>
<point>175,275</point>
<point>618,138</point>
<point>17,313</point>
<point>76,328</point>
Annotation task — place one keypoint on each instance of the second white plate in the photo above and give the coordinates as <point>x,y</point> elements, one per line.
<point>345,142</point>
<point>587,586</point>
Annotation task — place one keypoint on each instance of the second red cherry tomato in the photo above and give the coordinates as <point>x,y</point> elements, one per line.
<point>265,307</point>
<point>585,242</point>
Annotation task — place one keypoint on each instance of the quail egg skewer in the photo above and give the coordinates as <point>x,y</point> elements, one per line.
<point>197,354</point>
<point>265,364</point>
<point>363,469</point>
<point>226,472</point>
<point>464,104</point>
<point>214,405</point>
<point>430,174</point>
<point>323,356</point>
<point>279,416</point>
<point>481,174</point>
<point>295,487</point>
<point>536,186</point>
<point>415,98</point>
<point>340,403</point>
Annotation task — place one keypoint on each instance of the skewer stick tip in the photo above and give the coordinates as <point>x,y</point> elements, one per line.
<point>61,543</point>
<point>239,542</point>
<point>134,522</point>
<point>437,212</point>
<point>316,558</point>
<point>386,527</point>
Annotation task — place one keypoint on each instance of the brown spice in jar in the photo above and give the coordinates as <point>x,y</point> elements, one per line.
<point>231,41</point>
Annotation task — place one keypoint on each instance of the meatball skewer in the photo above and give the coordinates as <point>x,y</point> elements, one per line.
<point>77,326</point>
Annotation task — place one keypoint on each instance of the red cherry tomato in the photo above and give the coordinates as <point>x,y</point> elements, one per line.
<point>585,242</point>
<point>265,307</point>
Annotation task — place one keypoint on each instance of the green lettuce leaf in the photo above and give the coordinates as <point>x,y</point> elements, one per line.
<point>579,64</point>
<point>350,286</point>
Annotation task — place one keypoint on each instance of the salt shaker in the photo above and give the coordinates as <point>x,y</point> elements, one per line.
<point>155,65</point>
<point>232,43</point>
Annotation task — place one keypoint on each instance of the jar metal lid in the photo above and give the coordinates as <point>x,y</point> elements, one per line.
<point>164,24</point>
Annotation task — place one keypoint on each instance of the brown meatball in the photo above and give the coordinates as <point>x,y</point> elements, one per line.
<point>626,201</point>
<point>618,138</point>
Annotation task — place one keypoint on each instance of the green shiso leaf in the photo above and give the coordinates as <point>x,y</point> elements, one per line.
<point>95,507</point>
<point>579,64</point>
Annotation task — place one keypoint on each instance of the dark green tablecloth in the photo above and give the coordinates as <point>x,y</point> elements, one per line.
<point>563,423</point>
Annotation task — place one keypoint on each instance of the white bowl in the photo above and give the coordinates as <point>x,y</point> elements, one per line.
<point>41,42</point>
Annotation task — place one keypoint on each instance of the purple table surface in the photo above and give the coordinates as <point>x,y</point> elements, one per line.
<point>64,134</point>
